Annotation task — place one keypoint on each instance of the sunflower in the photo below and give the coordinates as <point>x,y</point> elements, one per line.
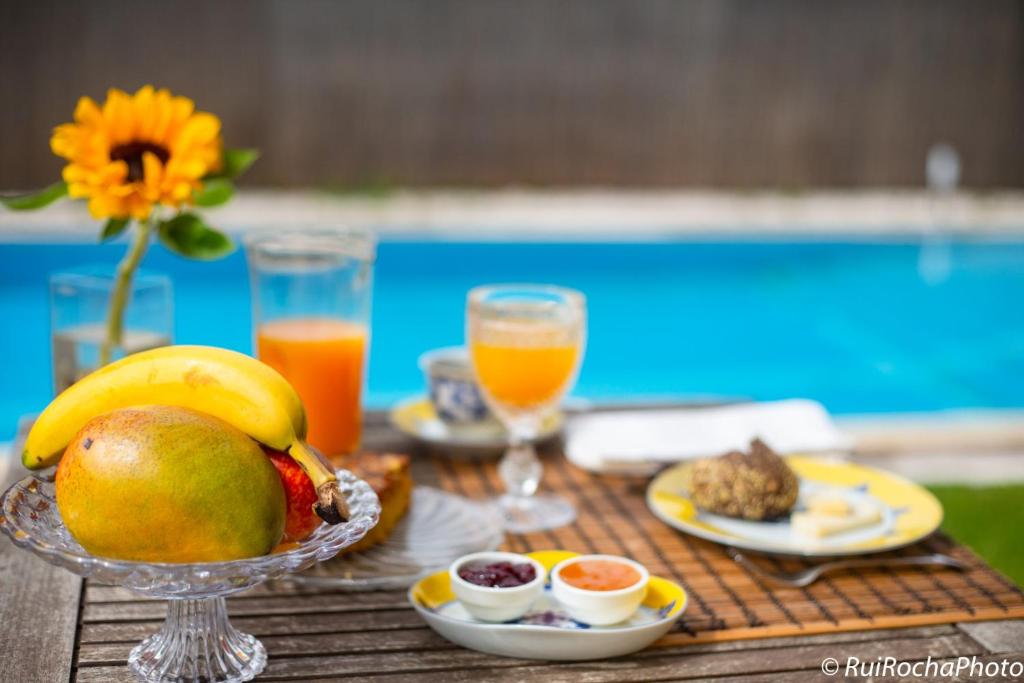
<point>136,151</point>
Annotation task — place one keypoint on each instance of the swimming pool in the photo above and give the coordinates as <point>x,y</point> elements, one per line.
<point>848,322</point>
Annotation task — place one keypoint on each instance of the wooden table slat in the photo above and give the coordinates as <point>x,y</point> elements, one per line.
<point>352,602</point>
<point>290,624</point>
<point>465,665</point>
<point>39,605</point>
<point>291,645</point>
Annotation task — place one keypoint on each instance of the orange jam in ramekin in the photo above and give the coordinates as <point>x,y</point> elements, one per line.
<point>599,575</point>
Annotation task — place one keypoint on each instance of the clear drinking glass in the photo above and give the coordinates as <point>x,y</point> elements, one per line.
<point>311,294</point>
<point>526,343</point>
<point>79,304</point>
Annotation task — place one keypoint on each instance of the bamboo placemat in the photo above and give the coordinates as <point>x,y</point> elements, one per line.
<point>726,601</point>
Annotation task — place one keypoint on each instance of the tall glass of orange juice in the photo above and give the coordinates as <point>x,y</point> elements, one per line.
<point>311,296</point>
<point>526,344</point>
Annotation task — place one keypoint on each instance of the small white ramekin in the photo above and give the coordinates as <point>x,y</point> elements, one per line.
<point>599,608</point>
<point>496,604</point>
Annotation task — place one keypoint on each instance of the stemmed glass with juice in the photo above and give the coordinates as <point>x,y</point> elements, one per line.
<point>311,311</point>
<point>526,343</point>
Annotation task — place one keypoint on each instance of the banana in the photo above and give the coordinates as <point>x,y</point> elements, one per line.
<point>234,387</point>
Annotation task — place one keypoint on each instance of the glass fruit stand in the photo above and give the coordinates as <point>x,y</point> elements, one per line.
<point>197,641</point>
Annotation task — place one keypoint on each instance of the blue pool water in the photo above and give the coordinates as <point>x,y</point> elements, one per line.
<point>849,323</point>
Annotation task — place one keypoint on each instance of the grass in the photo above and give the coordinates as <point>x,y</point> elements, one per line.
<point>989,520</point>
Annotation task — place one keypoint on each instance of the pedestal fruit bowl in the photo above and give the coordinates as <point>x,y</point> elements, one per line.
<point>197,641</point>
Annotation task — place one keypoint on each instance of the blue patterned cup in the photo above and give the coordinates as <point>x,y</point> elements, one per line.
<point>453,390</point>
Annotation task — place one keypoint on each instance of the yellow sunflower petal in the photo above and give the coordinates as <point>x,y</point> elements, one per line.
<point>87,112</point>
<point>143,108</point>
<point>122,190</point>
<point>152,169</point>
<point>153,175</point>
<point>201,129</point>
<point>181,110</point>
<point>112,172</point>
<point>182,191</point>
<point>73,173</point>
<point>117,114</point>
<point>193,168</point>
<point>65,140</point>
<point>101,206</point>
<point>139,208</point>
<point>162,114</point>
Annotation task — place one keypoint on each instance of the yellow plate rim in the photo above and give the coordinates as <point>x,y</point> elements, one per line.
<point>681,525</point>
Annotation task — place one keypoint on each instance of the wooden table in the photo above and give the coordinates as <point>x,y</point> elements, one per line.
<point>56,627</point>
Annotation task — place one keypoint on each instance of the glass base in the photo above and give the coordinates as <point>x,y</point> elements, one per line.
<point>524,515</point>
<point>197,642</point>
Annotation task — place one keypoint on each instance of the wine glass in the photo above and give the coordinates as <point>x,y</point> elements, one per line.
<point>197,642</point>
<point>526,343</point>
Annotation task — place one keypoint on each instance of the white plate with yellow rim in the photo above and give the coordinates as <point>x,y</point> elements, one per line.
<point>546,631</point>
<point>417,418</point>
<point>907,512</point>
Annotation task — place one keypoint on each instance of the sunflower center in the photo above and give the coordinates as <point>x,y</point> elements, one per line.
<point>131,153</point>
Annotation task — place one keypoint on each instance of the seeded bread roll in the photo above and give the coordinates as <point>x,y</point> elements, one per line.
<point>757,485</point>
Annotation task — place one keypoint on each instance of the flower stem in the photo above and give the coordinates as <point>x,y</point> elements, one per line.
<point>122,286</point>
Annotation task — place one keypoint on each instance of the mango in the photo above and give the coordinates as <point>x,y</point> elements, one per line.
<point>169,484</point>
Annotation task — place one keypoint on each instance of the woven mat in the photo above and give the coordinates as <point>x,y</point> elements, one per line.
<point>726,601</point>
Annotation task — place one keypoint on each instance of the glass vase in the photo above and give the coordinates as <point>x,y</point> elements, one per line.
<point>79,301</point>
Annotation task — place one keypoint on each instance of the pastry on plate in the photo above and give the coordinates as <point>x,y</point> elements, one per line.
<point>756,485</point>
<point>389,475</point>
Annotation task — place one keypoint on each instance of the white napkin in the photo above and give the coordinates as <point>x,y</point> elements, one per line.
<point>637,441</point>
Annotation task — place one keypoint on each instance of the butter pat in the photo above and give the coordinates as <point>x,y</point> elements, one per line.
<point>828,505</point>
<point>818,526</point>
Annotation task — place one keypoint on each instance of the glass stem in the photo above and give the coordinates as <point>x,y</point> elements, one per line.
<point>122,286</point>
<point>520,469</point>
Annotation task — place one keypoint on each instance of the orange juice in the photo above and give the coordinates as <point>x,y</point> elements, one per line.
<point>524,376</point>
<point>323,359</point>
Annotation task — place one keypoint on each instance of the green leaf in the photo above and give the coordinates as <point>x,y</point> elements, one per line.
<point>216,191</point>
<point>36,200</point>
<point>113,228</point>
<point>187,235</point>
<point>237,162</point>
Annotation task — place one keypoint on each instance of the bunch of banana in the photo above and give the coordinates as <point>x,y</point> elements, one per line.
<point>234,387</point>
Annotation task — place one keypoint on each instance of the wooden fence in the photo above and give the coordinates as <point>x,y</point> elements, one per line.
<point>724,93</point>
